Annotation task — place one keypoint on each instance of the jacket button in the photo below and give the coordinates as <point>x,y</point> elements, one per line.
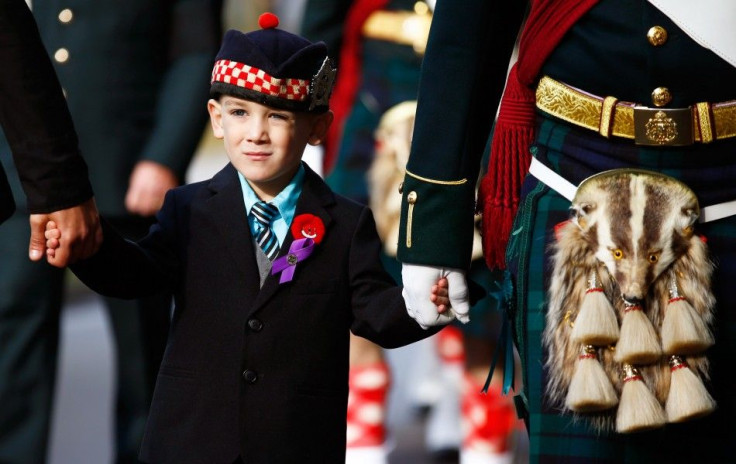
<point>661,96</point>
<point>250,376</point>
<point>65,16</point>
<point>657,36</point>
<point>255,325</point>
<point>61,55</point>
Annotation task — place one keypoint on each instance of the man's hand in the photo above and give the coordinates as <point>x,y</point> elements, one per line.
<point>418,285</point>
<point>148,185</point>
<point>80,234</point>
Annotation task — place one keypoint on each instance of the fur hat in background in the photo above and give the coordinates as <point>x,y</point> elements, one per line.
<point>275,68</point>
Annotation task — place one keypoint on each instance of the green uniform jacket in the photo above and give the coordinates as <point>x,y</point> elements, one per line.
<point>136,76</point>
<point>458,96</point>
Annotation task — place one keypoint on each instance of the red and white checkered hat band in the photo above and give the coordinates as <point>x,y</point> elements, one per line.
<point>242,75</point>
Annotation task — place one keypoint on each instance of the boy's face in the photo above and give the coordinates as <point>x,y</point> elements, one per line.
<point>265,144</point>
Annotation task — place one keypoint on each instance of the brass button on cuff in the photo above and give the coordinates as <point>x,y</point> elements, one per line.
<point>657,36</point>
<point>702,122</point>
<point>661,96</point>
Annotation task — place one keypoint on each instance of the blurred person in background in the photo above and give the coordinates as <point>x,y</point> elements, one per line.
<point>39,129</point>
<point>381,45</point>
<point>135,77</point>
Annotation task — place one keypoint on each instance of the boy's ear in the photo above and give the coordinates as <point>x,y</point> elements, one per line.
<point>215,110</point>
<point>319,127</point>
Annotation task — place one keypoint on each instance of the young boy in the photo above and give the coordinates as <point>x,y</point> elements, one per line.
<point>256,367</point>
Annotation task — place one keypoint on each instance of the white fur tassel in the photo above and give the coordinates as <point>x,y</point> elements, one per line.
<point>638,409</point>
<point>590,388</point>
<point>688,397</point>
<point>683,330</point>
<point>596,322</point>
<point>638,342</point>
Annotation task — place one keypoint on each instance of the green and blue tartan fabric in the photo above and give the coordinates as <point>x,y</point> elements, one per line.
<point>710,170</point>
<point>389,76</point>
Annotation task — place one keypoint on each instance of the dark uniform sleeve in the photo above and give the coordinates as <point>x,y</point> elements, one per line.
<point>463,74</point>
<point>36,120</point>
<point>181,114</point>
<point>379,310</point>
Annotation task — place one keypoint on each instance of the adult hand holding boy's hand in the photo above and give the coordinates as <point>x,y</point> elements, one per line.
<point>418,283</point>
<point>80,228</point>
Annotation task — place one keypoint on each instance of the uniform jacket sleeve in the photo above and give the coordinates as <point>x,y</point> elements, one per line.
<point>181,113</point>
<point>379,311</point>
<point>463,75</point>
<point>35,119</point>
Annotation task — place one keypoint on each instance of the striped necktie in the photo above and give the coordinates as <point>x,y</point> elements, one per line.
<point>264,213</point>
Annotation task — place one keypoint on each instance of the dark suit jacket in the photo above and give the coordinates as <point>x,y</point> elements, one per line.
<point>262,372</point>
<point>35,119</point>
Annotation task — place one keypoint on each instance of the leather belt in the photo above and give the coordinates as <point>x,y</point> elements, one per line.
<point>401,27</point>
<point>702,122</point>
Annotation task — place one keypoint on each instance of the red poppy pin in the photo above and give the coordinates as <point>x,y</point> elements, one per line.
<point>307,230</point>
<point>308,226</point>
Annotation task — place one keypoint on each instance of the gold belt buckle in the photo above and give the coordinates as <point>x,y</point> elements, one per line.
<point>663,127</point>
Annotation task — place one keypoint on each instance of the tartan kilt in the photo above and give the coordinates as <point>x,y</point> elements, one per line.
<point>710,170</point>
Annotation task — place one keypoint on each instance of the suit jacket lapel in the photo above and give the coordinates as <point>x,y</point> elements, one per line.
<point>314,198</point>
<point>228,211</point>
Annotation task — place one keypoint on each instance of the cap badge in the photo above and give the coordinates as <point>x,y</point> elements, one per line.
<point>321,84</point>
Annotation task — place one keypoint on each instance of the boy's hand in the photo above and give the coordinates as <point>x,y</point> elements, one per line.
<point>418,282</point>
<point>439,295</point>
<point>52,234</point>
<point>82,232</point>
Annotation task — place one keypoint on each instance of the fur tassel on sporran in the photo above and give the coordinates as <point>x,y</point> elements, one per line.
<point>638,342</point>
<point>596,323</point>
<point>688,397</point>
<point>683,330</point>
<point>590,388</point>
<point>638,409</point>
<point>633,230</point>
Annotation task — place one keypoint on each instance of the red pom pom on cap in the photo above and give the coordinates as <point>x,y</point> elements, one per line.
<point>268,21</point>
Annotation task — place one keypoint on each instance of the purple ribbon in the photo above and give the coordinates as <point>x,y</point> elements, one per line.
<point>298,251</point>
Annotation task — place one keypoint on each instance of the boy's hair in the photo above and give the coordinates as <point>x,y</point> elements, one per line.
<point>275,68</point>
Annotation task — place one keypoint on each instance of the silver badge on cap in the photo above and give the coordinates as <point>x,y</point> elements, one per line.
<point>321,86</point>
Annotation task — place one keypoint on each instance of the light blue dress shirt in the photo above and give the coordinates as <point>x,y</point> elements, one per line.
<point>285,201</point>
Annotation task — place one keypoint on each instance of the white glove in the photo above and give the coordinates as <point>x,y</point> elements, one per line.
<point>418,282</point>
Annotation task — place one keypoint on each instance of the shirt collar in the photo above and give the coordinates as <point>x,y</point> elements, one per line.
<point>285,201</point>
